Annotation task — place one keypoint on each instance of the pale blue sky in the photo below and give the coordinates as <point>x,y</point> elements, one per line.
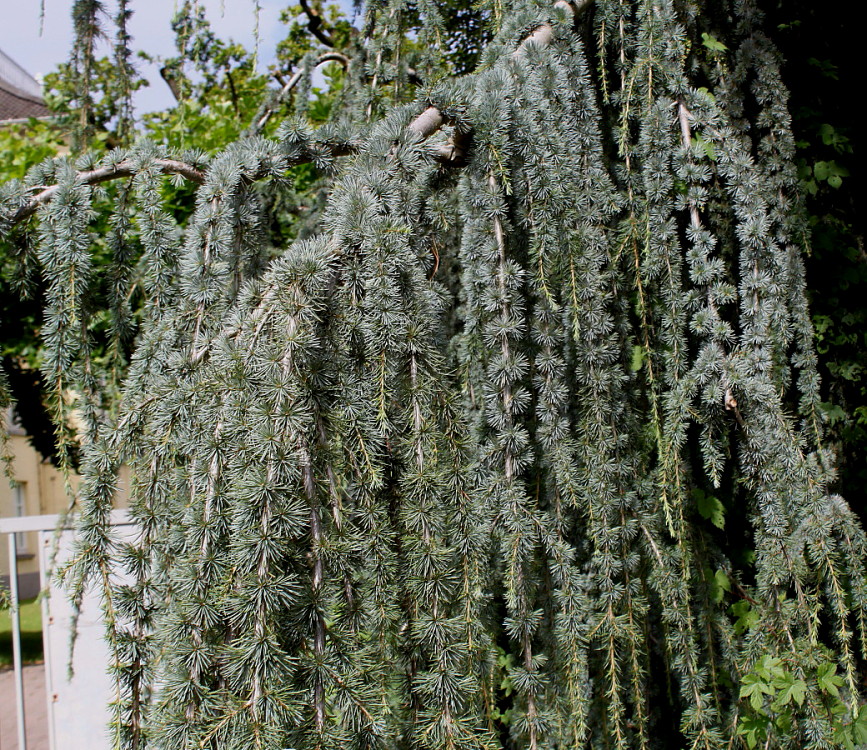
<point>21,40</point>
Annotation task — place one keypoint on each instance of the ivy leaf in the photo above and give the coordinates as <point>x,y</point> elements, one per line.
<point>712,43</point>
<point>828,679</point>
<point>770,667</point>
<point>791,689</point>
<point>710,508</point>
<point>755,688</point>
<point>747,617</point>
<point>859,727</point>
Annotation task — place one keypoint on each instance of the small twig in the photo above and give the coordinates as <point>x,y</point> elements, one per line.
<point>744,595</point>
<point>287,86</point>
<point>436,256</point>
<point>315,24</point>
<point>414,78</point>
<point>652,543</point>
<point>233,92</point>
<point>428,122</point>
<point>432,119</point>
<point>731,404</point>
<point>544,35</point>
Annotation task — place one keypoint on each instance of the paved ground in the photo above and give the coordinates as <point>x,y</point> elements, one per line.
<point>34,708</point>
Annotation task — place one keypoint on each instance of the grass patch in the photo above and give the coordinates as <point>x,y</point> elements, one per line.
<point>31,633</point>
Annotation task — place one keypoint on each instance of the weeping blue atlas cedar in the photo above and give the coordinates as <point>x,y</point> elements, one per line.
<point>519,449</point>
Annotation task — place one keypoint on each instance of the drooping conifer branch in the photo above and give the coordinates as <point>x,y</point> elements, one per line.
<point>468,450</point>
<point>87,28</point>
<point>426,124</point>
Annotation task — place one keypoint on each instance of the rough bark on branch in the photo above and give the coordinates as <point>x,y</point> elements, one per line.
<point>104,174</point>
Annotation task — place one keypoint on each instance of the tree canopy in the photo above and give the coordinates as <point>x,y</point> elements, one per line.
<point>470,403</point>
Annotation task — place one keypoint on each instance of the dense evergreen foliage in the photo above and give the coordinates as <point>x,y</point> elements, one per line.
<point>516,444</point>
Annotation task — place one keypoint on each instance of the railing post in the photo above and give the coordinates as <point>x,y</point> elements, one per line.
<point>16,640</point>
<point>45,557</point>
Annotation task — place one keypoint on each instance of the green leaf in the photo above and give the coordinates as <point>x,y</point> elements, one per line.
<point>506,686</point>
<point>754,727</point>
<point>826,67</point>
<point>835,180</point>
<point>747,617</point>
<point>637,358</point>
<point>708,93</point>
<point>712,43</point>
<point>710,508</point>
<point>832,413</point>
<point>859,727</point>
<point>770,667</point>
<point>718,584</point>
<point>791,689</point>
<point>705,147</point>
<point>828,679</point>
<point>715,593</point>
<point>843,735</point>
<point>755,688</point>
<point>783,722</point>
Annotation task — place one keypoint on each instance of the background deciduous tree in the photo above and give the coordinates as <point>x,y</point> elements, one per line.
<point>471,401</point>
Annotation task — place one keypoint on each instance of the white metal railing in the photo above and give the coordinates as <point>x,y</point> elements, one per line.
<point>47,526</point>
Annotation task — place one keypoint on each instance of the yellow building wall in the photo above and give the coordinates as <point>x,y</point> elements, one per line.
<point>43,493</point>
<point>42,490</point>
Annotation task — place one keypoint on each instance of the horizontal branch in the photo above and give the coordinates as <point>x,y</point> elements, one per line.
<point>426,124</point>
<point>124,168</point>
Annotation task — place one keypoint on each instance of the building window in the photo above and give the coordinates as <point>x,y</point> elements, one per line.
<point>19,502</point>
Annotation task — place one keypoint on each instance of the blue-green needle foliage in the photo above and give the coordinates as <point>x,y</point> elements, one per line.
<point>519,450</point>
